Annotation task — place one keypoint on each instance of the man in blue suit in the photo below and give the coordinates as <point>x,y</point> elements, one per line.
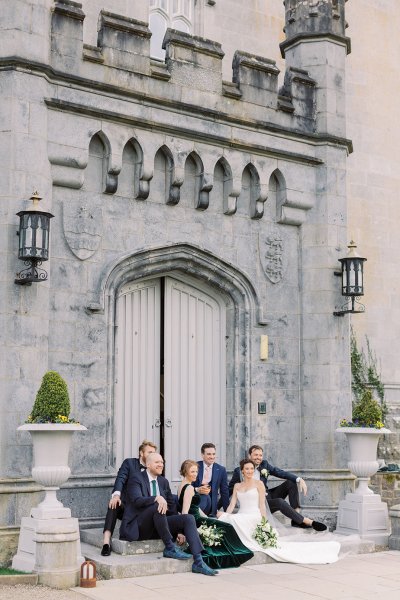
<point>276,497</point>
<point>118,496</point>
<point>150,513</point>
<point>211,482</point>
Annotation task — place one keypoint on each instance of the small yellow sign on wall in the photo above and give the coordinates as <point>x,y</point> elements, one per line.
<point>264,347</point>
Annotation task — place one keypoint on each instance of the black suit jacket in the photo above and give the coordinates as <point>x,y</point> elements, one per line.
<point>271,470</point>
<point>128,468</point>
<point>139,498</point>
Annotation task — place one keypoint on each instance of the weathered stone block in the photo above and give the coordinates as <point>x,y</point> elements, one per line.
<point>125,42</point>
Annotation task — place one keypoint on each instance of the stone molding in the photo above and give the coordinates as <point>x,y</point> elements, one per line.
<point>183,258</point>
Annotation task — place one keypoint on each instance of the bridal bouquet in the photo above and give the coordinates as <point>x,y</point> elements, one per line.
<point>210,535</point>
<point>265,535</point>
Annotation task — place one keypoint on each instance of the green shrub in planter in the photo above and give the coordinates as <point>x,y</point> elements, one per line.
<point>367,412</point>
<point>52,401</point>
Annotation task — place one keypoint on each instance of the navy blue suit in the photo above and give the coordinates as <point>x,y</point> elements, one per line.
<point>128,467</point>
<point>276,496</point>
<point>219,487</point>
<point>142,521</point>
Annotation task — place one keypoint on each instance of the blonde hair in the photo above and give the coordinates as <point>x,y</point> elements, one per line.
<point>146,443</point>
<point>185,466</point>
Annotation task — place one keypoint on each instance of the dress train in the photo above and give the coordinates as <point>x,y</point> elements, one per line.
<point>307,552</point>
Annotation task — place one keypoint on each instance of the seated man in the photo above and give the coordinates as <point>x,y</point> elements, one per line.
<point>211,482</point>
<point>150,513</point>
<point>276,496</point>
<point>116,505</point>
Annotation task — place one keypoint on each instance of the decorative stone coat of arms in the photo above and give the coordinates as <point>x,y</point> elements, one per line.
<point>83,227</point>
<point>272,255</point>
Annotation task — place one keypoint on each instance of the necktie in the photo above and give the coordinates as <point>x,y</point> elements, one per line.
<point>206,475</point>
<point>153,488</point>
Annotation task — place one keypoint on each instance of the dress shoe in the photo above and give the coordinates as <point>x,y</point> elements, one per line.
<point>203,569</point>
<point>300,525</point>
<point>106,550</point>
<point>177,554</point>
<point>316,525</point>
<point>319,526</point>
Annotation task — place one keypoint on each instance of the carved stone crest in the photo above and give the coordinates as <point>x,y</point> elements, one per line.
<point>272,255</point>
<point>83,227</point>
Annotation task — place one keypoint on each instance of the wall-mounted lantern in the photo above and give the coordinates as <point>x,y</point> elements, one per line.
<point>34,233</point>
<point>352,275</point>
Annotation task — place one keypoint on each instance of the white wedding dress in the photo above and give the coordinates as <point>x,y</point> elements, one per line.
<point>248,517</point>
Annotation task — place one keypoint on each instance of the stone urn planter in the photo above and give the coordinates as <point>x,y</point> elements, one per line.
<point>51,445</point>
<point>362,512</point>
<point>49,541</point>
<point>363,445</point>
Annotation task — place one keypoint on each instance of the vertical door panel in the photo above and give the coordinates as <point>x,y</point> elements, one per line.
<point>194,374</point>
<point>137,400</point>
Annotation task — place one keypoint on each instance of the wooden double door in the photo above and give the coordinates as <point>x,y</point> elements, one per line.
<point>170,370</point>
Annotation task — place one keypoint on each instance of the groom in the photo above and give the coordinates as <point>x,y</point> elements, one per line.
<point>150,513</point>
<point>276,496</point>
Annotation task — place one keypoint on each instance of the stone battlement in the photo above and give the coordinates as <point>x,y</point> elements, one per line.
<point>191,73</point>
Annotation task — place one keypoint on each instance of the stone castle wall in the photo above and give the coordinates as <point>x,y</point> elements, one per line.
<point>150,165</point>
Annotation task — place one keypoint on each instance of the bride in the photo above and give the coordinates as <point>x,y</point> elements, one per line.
<point>251,496</point>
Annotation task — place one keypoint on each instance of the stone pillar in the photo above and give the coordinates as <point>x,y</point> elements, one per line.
<point>394,538</point>
<point>316,44</point>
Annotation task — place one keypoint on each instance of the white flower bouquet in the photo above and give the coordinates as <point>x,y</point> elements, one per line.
<point>210,535</point>
<point>265,535</point>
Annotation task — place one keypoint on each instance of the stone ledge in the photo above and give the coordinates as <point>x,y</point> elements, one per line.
<point>19,578</point>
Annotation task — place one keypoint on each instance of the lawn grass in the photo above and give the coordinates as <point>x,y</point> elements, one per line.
<point>6,571</point>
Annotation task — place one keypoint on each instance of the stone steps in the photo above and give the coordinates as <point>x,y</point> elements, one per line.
<point>139,559</point>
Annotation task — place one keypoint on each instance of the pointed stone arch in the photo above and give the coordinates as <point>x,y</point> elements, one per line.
<point>229,199</point>
<point>201,187</point>
<point>170,184</point>
<point>277,192</point>
<point>99,151</point>
<point>140,184</point>
<point>255,197</point>
<point>243,311</point>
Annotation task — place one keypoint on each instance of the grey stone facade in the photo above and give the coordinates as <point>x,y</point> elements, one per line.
<point>155,168</point>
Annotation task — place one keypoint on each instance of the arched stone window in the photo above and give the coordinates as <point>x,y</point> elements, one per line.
<point>96,170</point>
<point>177,14</point>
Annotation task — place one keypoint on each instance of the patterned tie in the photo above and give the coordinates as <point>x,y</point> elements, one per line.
<point>153,488</point>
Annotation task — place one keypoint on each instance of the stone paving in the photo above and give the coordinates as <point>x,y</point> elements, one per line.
<point>365,576</point>
<point>362,577</point>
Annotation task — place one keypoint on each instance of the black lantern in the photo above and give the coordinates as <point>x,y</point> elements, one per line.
<point>34,233</point>
<point>352,275</point>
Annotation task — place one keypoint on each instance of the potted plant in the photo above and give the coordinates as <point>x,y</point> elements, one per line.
<point>362,433</point>
<point>51,429</point>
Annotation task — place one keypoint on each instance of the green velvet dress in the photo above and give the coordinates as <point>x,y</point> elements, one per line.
<point>231,552</point>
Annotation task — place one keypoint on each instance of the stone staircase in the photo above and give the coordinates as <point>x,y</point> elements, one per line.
<point>138,559</point>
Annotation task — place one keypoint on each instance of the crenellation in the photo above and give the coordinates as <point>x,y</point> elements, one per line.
<point>256,78</point>
<point>193,60</point>
<point>67,35</point>
<point>297,95</point>
<point>125,42</point>
<point>192,64</point>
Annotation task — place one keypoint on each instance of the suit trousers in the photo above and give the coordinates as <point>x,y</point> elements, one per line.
<point>205,503</point>
<point>153,525</point>
<point>111,518</point>
<point>276,500</point>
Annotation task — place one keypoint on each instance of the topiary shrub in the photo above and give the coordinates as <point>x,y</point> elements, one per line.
<point>52,401</point>
<point>367,411</point>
